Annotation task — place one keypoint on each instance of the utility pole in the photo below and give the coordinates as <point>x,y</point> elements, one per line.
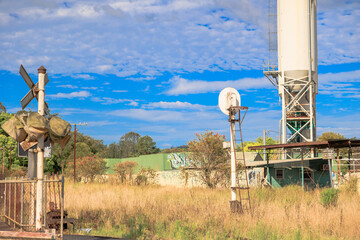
<point>40,152</point>
<point>79,124</point>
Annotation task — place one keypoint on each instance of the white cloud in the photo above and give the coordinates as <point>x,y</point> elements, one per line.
<point>109,101</point>
<point>140,79</point>
<point>74,111</point>
<point>141,39</point>
<point>341,85</point>
<point>100,123</point>
<point>352,76</point>
<point>165,115</point>
<point>181,86</point>
<point>68,86</point>
<point>82,76</point>
<point>89,88</point>
<point>175,105</point>
<point>120,91</point>
<point>80,94</point>
<point>133,103</point>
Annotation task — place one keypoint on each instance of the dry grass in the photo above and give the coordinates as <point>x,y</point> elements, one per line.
<point>198,213</point>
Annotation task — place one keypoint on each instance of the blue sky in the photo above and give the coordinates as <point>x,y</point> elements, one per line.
<point>156,67</point>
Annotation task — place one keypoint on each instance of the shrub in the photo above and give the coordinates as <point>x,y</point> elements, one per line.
<point>18,171</point>
<point>329,197</point>
<point>209,157</point>
<point>351,186</point>
<point>87,167</point>
<point>146,176</point>
<point>125,170</point>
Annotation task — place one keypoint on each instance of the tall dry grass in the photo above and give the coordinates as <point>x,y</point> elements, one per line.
<point>154,212</point>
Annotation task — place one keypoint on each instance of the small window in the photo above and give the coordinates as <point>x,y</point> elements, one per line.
<point>279,173</point>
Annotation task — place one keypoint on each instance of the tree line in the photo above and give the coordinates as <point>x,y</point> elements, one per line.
<point>131,144</point>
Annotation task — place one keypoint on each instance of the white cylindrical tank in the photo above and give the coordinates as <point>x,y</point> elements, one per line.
<point>296,35</point>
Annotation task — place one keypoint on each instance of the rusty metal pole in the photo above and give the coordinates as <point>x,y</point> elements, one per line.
<point>75,154</point>
<point>302,168</point>
<point>338,168</point>
<point>10,159</point>
<point>62,207</point>
<point>22,205</point>
<point>5,199</point>
<point>3,163</point>
<point>40,154</point>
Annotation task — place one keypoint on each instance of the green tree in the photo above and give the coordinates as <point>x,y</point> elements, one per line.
<point>2,108</point>
<point>330,136</point>
<point>3,118</point>
<point>128,144</point>
<point>82,150</point>
<point>209,156</point>
<point>113,151</point>
<point>342,152</point>
<point>61,157</point>
<point>183,148</point>
<point>146,145</point>
<point>10,146</point>
<point>125,170</point>
<point>96,146</point>
<point>257,142</point>
<point>87,167</point>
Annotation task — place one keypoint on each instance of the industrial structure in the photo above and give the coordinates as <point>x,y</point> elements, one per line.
<point>292,67</point>
<point>325,171</point>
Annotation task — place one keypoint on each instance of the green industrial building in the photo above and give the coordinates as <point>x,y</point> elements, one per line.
<point>277,173</point>
<point>315,174</point>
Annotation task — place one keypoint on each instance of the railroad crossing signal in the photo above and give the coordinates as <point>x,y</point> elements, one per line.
<point>34,89</point>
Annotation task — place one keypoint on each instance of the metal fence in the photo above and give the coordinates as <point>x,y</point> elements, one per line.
<point>18,203</point>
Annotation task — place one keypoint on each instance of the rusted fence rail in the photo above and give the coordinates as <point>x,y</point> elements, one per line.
<point>18,203</point>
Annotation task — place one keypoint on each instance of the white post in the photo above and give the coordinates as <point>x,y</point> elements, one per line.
<point>264,141</point>
<point>40,154</point>
<point>233,157</point>
<point>283,122</point>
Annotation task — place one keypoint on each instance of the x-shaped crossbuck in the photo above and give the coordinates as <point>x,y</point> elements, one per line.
<point>34,89</point>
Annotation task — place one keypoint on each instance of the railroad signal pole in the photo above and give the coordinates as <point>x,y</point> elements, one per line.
<point>76,124</point>
<point>37,91</point>
<point>40,151</point>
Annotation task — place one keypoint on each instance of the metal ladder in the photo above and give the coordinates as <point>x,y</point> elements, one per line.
<point>243,202</point>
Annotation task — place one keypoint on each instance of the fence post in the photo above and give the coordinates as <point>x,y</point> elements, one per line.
<point>5,196</point>
<point>45,202</point>
<point>15,201</point>
<point>10,198</point>
<point>32,204</point>
<point>22,205</point>
<point>62,206</point>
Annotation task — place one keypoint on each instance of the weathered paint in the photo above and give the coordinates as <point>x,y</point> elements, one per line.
<point>178,160</point>
<point>25,235</point>
<point>293,176</point>
<point>167,161</point>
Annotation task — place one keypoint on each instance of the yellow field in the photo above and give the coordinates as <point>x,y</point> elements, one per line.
<point>155,212</point>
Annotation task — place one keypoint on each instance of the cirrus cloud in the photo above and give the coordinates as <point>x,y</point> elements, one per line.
<point>80,94</point>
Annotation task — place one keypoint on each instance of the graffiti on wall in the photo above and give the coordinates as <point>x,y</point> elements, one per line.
<point>178,160</point>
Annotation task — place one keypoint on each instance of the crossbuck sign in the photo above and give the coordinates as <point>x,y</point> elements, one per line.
<point>34,89</point>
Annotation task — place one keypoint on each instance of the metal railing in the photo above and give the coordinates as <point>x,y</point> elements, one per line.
<point>18,203</point>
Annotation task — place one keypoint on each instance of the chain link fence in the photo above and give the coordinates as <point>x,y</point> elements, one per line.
<point>18,203</point>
